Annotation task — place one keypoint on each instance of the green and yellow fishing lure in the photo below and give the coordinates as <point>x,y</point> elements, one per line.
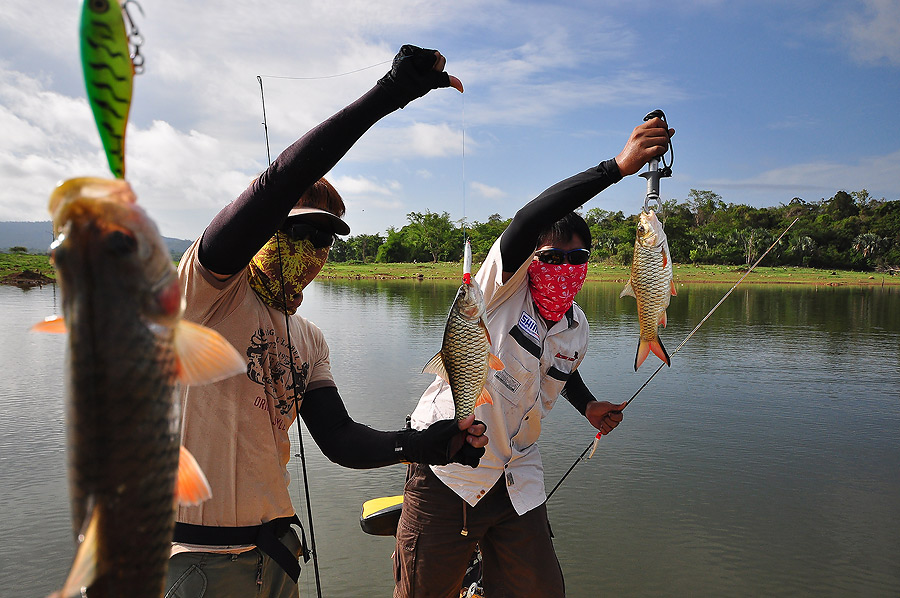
<point>108,75</point>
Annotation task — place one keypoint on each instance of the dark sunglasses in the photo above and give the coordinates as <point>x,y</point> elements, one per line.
<point>300,231</point>
<point>555,257</point>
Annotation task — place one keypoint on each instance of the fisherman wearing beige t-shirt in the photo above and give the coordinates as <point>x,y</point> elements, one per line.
<point>245,278</point>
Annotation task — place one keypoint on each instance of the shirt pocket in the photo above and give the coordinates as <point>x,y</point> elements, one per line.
<point>515,383</point>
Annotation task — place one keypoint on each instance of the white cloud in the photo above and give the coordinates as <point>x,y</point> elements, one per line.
<point>810,180</point>
<point>487,191</point>
<point>419,140</point>
<point>195,137</point>
<point>874,32</point>
<point>352,186</point>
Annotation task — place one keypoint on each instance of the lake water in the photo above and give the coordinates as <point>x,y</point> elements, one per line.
<point>764,462</point>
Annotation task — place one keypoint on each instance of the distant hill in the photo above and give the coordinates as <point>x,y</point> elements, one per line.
<point>37,236</point>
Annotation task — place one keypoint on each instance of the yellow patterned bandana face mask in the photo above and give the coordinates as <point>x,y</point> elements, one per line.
<point>302,262</point>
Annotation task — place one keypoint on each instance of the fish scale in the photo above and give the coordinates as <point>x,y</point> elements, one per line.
<point>651,284</point>
<point>465,357</point>
<point>650,280</point>
<point>465,345</point>
<point>122,444</point>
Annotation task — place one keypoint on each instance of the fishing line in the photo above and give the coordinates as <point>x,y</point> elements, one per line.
<point>465,228</point>
<point>290,348</point>
<point>365,68</point>
<point>594,442</point>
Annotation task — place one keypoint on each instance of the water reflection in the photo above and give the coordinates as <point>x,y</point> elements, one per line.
<point>763,462</point>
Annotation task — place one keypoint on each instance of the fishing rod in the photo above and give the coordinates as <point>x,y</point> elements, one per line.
<point>596,440</point>
<point>287,329</point>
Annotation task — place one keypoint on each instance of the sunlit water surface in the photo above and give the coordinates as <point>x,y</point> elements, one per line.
<point>764,462</point>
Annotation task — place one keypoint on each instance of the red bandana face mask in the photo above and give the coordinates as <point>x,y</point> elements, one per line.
<point>553,288</point>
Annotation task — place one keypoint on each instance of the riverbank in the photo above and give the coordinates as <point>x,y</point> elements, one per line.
<point>684,274</point>
<point>13,265</point>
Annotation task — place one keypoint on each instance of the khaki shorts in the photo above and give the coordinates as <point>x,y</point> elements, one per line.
<point>243,575</point>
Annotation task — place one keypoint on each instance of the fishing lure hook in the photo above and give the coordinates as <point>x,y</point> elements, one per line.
<point>135,39</point>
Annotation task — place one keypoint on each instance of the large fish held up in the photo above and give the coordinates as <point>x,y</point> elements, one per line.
<point>652,284</point>
<point>127,349</point>
<point>465,356</point>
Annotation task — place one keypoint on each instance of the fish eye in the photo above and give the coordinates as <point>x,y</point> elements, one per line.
<point>99,6</point>
<point>120,242</point>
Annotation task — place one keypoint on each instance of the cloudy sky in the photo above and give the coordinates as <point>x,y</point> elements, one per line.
<point>770,99</point>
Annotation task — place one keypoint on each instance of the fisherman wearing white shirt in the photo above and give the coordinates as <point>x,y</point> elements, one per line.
<point>529,281</point>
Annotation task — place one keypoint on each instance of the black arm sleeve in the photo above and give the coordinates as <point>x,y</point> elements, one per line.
<point>520,238</point>
<point>576,392</point>
<point>343,440</point>
<point>243,226</point>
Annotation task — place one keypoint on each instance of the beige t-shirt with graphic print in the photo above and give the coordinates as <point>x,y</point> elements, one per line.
<point>238,428</point>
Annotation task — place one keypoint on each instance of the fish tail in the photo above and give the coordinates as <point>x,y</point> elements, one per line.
<point>85,567</point>
<point>657,347</point>
<point>644,349</point>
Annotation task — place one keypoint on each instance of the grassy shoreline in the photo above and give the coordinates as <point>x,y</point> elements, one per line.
<point>13,264</point>
<point>684,274</point>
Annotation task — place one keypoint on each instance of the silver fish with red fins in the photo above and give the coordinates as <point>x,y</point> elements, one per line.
<point>465,356</point>
<point>127,349</point>
<point>652,284</point>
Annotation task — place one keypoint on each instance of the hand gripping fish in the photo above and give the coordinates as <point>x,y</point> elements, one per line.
<point>652,284</point>
<point>127,349</point>
<point>108,75</point>
<point>465,356</point>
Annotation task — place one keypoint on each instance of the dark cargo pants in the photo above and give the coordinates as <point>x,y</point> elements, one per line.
<point>432,554</point>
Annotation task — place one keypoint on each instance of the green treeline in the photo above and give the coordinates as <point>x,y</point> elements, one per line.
<point>850,231</point>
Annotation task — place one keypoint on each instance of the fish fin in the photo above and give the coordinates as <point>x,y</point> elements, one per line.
<point>643,351</point>
<point>665,257</point>
<point>84,568</point>
<point>436,366</point>
<point>204,355</point>
<point>657,347</point>
<point>494,362</point>
<point>191,486</point>
<point>672,290</point>
<point>628,290</point>
<point>487,333</point>
<point>662,319</point>
<point>484,398</point>
<point>54,324</point>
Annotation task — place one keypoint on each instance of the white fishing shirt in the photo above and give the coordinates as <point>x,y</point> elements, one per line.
<point>537,361</point>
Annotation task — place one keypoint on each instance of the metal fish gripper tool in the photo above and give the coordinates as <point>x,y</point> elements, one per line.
<point>654,172</point>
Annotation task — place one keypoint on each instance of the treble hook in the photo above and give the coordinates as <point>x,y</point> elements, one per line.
<point>134,37</point>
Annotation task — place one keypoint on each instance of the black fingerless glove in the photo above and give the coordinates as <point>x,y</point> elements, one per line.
<point>412,76</point>
<point>439,444</point>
